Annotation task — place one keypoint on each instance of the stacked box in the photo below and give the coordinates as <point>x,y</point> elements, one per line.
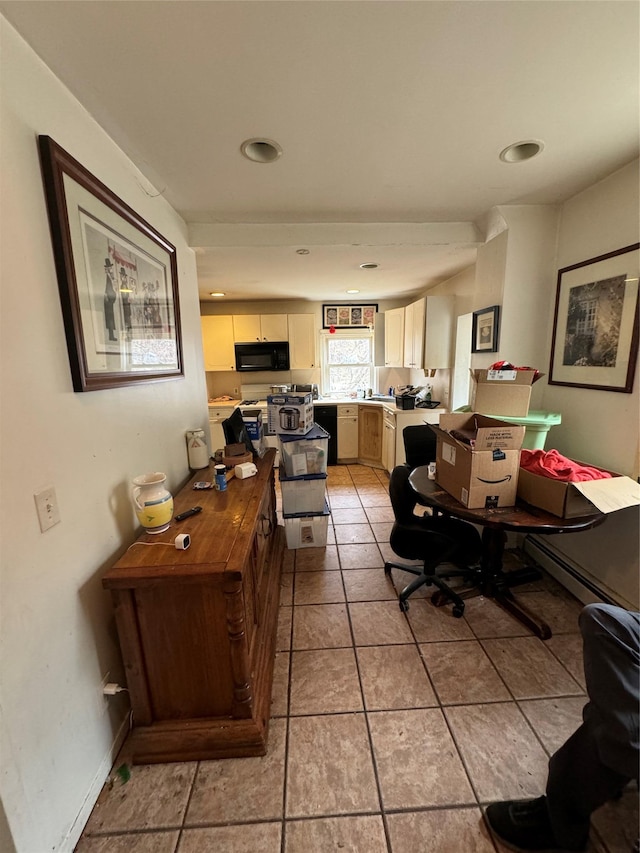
<point>307,530</point>
<point>303,483</point>
<point>485,473</point>
<point>301,455</point>
<point>503,392</point>
<point>290,414</point>
<point>303,494</point>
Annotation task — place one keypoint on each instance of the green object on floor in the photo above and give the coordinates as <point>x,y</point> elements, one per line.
<point>123,773</point>
<point>537,424</point>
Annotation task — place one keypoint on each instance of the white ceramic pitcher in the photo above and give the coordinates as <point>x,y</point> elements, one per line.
<point>153,501</point>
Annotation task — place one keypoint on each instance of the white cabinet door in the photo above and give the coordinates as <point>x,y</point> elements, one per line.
<point>438,331</point>
<point>414,333</point>
<point>394,337</point>
<point>273,327</point>
<point>302,340</point>
<point>246,327</point>
<point>388,446</point>
<point>259,327</point>
<point>217,342</point>
<point>347,437</point>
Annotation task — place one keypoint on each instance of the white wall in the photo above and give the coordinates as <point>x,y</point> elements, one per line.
<point>598,426</point>
<point>58,638</point>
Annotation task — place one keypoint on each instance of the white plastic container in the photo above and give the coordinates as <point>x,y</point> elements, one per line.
<point>303,494</point>
<point>307,530</point>
<point>302,455</point>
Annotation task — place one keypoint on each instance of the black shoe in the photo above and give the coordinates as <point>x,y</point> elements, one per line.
<point>525,825</point>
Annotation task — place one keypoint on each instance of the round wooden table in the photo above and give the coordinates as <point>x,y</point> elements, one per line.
<point>493,581</point>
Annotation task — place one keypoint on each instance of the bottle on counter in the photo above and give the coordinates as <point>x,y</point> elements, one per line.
<point>197,449</point>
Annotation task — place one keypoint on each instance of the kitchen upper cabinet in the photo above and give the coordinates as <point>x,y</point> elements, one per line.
<point>394,337</point>
<point>414,333</point>
<point>438,331</point>
<point>259,327</point>
<point>302,340</point>
<point>370,435</point>
<point>217,342</point>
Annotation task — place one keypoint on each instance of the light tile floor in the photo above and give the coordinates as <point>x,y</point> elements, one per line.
<point>389,731</point>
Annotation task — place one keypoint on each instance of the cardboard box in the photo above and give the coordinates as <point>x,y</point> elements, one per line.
<point>253,421</point>
<point>289,414</point>
<point>571,500</point>
<point>503,392</point>
<point>485,475</point>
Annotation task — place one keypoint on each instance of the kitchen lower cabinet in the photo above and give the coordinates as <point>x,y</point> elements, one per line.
<point>347,433</point>
<point>197,628</point>
<point>370,435</point>
<point>388,439</point>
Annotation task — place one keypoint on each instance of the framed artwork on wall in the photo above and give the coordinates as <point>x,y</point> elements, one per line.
<point>117,277</point>
<point>595,326</point>
<point>342,316</point>
<point>484,334</point>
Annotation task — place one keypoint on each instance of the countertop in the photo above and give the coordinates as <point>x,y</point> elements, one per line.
<point>335,401</point>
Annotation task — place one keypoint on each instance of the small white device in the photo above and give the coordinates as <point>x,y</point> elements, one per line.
<point>182,541</point>
<point>244,470</point>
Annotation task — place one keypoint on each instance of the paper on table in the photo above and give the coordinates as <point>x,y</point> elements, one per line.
<point>609,495</point>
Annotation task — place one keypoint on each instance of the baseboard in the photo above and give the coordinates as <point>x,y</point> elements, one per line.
<point>70,841</point>
<point>584,588</point>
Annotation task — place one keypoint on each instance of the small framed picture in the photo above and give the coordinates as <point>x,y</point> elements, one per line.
<point>484,337</point>
<point>348,316</point>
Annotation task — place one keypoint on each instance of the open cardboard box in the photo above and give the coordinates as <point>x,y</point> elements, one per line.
<point>571,500</point>
<point>503,392</point>
<point>485,476</point>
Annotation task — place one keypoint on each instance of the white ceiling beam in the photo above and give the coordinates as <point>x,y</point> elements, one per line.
<point>208,235</point>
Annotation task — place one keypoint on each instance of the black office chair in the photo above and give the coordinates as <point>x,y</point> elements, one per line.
<point>419,445</point>
<point>434,540</point>
<point>419,449</point>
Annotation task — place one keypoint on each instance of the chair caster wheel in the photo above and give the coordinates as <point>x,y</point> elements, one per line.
<point>387,569</point>
<point>404,605</point>
<point>458,610</point>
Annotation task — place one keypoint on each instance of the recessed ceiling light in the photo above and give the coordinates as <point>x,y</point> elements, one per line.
<point>261,150</point>
<point>302,251</point>
<point>521,151</point>
<point>353,291</point>
<point>217,293</point>
<point>369,266</point>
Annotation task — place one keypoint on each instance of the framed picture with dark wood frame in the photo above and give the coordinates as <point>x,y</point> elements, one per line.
<point>484,335</point>
<point>343,316</point>
<point>595,326</point>
<point>117,277</point>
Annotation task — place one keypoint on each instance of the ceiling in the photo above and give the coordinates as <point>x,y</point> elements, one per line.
<point>391,116</point>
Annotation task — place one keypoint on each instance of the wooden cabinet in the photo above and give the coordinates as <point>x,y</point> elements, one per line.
<point>388,439</point>
<point>414,333</point>
<point>394,337</point>
<point>217,342</point>
<point>197,628</point>
<point>302,340</point>
<point>347,433</point>
<point>370,435</point>
<point>260,327</point>
<point>438,332</point>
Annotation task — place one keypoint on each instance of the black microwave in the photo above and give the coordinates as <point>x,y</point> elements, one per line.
<point>264,355</point>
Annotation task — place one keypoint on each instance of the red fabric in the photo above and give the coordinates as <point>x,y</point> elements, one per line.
<point>552,464</point>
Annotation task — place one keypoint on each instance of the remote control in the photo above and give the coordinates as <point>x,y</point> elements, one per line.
<point>193,511</point>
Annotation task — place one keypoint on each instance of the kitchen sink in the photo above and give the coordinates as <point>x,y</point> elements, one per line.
<point>382,398</point>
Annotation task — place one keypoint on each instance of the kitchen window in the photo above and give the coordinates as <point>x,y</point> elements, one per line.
<point>347,362</point>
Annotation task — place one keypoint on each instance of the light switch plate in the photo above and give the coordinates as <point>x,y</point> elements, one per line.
<point>47,507</point>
